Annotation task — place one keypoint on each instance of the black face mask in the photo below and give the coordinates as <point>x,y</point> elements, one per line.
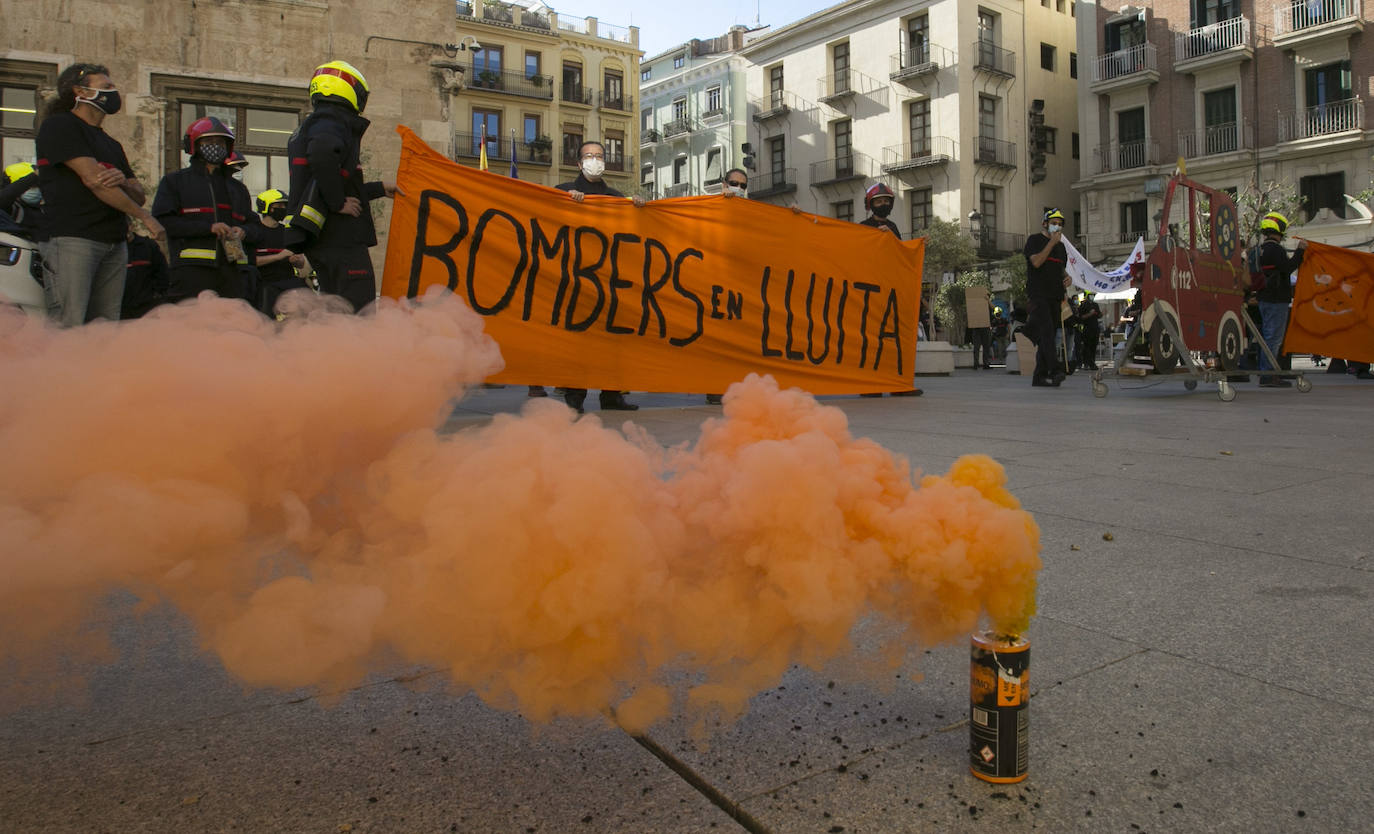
<point>882,209</point>
<point>107,101</point>
<point>277,213</point>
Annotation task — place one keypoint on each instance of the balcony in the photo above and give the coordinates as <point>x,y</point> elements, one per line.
<point>511,82</point>
<point>1214,45</point>
<point>991,58</point>
<point>615,161</point>
<point>915,62</point>
<point>649,137</point>
<point>1322,120</point>
<point>852,166</point>
<point>577,94</point>
<point>1302,22</point>
<point>618,102</point>
<point>991,243</point>
<point>534,153</point>
<point>679,127</point>
<point>773,183</point>
<point>775,105</point>
<point>1124,156</point>
<point>1125,68</point>
<point>837,86</point>
<point>678,189</point>
<point>468,146</point>
<point>920,154</point>
<point>1215,139</point>
<point>995,152</point>
<point>713,115</point>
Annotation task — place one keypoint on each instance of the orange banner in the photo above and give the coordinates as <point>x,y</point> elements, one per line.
<point>1333,304</point>
<point>688,294</point>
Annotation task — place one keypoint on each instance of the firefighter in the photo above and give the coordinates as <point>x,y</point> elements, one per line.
<point>208,216</point>
<point>277,266</point>
<point>878,201</point>
<point>329,203</point>
<point>22,200</point>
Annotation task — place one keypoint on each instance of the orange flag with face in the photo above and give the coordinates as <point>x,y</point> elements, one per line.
<point>688,294</point>
<point>1333,304</point>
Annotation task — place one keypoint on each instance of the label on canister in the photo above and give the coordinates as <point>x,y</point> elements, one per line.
<point>999,696</point>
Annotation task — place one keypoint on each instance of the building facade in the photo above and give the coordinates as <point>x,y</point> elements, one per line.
<point>539,84</point>
<point>966,110</point>
<point>1246,93</point>
<point>694,116</point>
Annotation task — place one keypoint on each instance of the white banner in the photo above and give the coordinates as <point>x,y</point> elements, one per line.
<point>1087,277</point>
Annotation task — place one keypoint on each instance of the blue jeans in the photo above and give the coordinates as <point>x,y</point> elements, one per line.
<point>1273,324</point>
<point>83,280</point>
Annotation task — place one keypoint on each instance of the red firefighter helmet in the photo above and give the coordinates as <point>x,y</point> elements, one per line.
<point>875,191</point>
<point>203,127</point>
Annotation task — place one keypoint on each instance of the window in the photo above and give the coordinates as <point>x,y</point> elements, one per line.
<point>18,124</point>
<point>613,91</point>
<point>1219,120</point>
<point>713,167</point>
<point>1134,220</point>
<point>572,144</point>
<point>843,210</point>
<point>1073,64</point>
<point>572,83</point>
<point>1205,12</point>
<point>987,39</point>
<point>531,127</point>
<point>918,119</point>
<point>646,176</point>
<point>1050,135</point>
<point>1124,35</point>
<point>487,59</point>
<point>1324,191</point>
<point>922,210</point>
<point>646,119</point>
<point>1059,6</point>
<point>1075,146</point>
<point>645,75</point>
<point>679,170</point>
<point>917,41</point>
<point>1047,57</point>
<point>1078,224</point>
<point>713,105</point>
<point>679,61</point>
<point>987,207</point>
<point>260,135</point>
<point>987,129</point>
<point>1328,85</point>
<point>615,150</point>
<point>844,147</point>
<point>679,109</point>
<point>1130,134</point>
<point>775,87</point>
<point>532,64</point>
<point>488,123</point>
<point>839,64</point>
<point>777,159</point>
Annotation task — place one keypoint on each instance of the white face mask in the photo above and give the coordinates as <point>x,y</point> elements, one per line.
<point>32,197</point>
<point>238,175</point>
<point>736,190</point>
<point>1054,227</point>
<point>593,167</point>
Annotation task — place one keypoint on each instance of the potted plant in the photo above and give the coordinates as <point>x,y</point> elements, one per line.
<point>488,78</point>
<point>540,147</point>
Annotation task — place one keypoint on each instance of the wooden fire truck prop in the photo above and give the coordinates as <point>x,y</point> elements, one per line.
<point>1193,323</point>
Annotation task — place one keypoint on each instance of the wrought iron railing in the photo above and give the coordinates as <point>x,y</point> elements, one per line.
<point>1300,15</point>
<point>919,60</point>
<point>990,151</point>
<point>1322,120</point>
<point>511,81</point>
<point>990,57</point>
<point>1122,156</point>
<point>929,150</point>
<point>1124,62</point>
<point>1214,37</point>
<point>1215,139</point>
<point>767,183</point>
<point>576,94</point>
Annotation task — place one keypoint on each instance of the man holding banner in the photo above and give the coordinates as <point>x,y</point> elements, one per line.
<point>592,162</point>
<point>1046,279</point>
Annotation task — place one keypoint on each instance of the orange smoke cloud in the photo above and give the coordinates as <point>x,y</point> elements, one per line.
<point>286,488</point>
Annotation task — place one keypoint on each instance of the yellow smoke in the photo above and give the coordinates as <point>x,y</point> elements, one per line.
<point>286,488</point>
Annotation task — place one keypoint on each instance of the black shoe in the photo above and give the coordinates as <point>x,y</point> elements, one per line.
<point>870,395</point>
<point>713,399</point>
<point>575,400</point>
<point>914,392</point>
<point>1364,375</point>
<point>1041,382</point>
<point>617,402</point>
<point>538,391</point>
<point>1057,377</point>
<point>987,367</point>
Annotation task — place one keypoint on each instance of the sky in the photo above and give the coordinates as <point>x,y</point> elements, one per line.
<point>666,24</point>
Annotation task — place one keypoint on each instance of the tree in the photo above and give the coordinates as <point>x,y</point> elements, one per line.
<point>1256,200</point>
<point>950,303</point>
<point>948,249</point>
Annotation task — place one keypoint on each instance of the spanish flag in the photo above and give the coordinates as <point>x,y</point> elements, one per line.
<point>482,154</point>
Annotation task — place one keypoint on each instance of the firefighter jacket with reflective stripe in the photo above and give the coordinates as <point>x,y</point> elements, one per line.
<point>324,154</point>
<point>191,200</point>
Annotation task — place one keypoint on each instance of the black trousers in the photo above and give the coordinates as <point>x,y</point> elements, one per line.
<point>981,337</point>
<point>1087,351</point>
<point>225,280</point>
<point>345,271</point>
<point>1040,326</point>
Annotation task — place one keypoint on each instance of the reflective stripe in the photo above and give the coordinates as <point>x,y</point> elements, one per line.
<point>313,216</point>
<point>206,254</point>
<point>194,210</point>
<point>139,263</point>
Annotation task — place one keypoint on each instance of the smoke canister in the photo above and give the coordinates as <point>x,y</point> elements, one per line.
<point>999,697</point>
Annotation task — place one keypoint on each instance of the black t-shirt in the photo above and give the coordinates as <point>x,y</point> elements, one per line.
<point>70,209</point>
<point>1045,282</point>
<point>881,223</point>
<point>586,186</point>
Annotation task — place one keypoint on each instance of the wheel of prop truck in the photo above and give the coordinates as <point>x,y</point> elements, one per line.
<point>1304,385</point>
<point>1099,388</point>
<point>1230,344</point>
<point>1163,351</point>
<point>1190,384</point>
<point>1225,391</point>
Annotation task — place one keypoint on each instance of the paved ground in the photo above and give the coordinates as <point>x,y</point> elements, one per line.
<point>1206,669</point>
